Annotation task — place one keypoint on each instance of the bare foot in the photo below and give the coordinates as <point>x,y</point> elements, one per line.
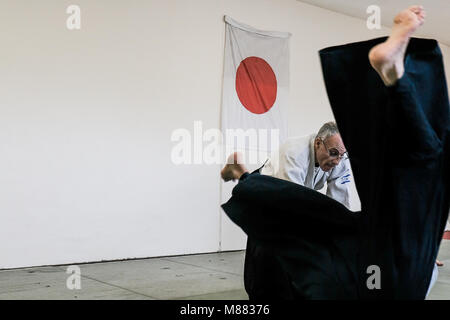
<point>387,57</point>
<point>234,168</point>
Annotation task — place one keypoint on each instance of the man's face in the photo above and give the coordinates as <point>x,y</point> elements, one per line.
<point>329,152</point>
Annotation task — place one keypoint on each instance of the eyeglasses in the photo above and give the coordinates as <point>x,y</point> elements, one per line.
<point>334,153</point>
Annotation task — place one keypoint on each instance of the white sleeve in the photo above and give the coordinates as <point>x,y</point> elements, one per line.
<point>339,186</point>
<point>292,168</point>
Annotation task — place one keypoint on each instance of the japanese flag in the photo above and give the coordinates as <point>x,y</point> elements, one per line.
<point>256,81</point>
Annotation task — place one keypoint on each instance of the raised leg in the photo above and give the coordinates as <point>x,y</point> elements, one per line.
<point>387,57</point>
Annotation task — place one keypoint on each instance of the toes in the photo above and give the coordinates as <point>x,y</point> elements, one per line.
<point>416,8</point>
<point>422,17</point>
<point>419,10</point>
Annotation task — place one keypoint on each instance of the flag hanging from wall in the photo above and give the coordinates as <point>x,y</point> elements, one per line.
<point>256,80</point>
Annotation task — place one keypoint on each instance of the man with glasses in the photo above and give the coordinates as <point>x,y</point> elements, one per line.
<point>314,160</point>
<point>310,161</point>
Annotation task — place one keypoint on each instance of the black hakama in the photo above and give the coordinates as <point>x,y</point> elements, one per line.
<point>399,147</point>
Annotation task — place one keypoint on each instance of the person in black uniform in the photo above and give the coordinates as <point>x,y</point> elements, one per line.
<point>389,98</point>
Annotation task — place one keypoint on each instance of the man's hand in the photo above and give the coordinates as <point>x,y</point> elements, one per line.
<point>439,264</point>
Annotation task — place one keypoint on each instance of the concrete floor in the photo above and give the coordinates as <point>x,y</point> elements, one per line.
<point>206,276</point>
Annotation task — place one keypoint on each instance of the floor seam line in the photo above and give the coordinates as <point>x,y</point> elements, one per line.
<point>119,287</point>
<point>193,265</point>
<point>199,295</point>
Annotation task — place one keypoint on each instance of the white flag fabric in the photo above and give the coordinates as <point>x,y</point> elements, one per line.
<point>256,80</point>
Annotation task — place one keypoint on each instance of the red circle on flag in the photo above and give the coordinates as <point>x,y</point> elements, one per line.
<point>256,85</point>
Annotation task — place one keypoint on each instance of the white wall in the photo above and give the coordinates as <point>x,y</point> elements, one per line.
<point>446,53</point>
<point>86,119</point>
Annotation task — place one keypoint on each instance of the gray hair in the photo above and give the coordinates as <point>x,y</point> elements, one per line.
<point>327,130</point>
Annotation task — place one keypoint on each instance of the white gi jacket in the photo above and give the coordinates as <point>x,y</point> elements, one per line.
<point>295,162</point>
